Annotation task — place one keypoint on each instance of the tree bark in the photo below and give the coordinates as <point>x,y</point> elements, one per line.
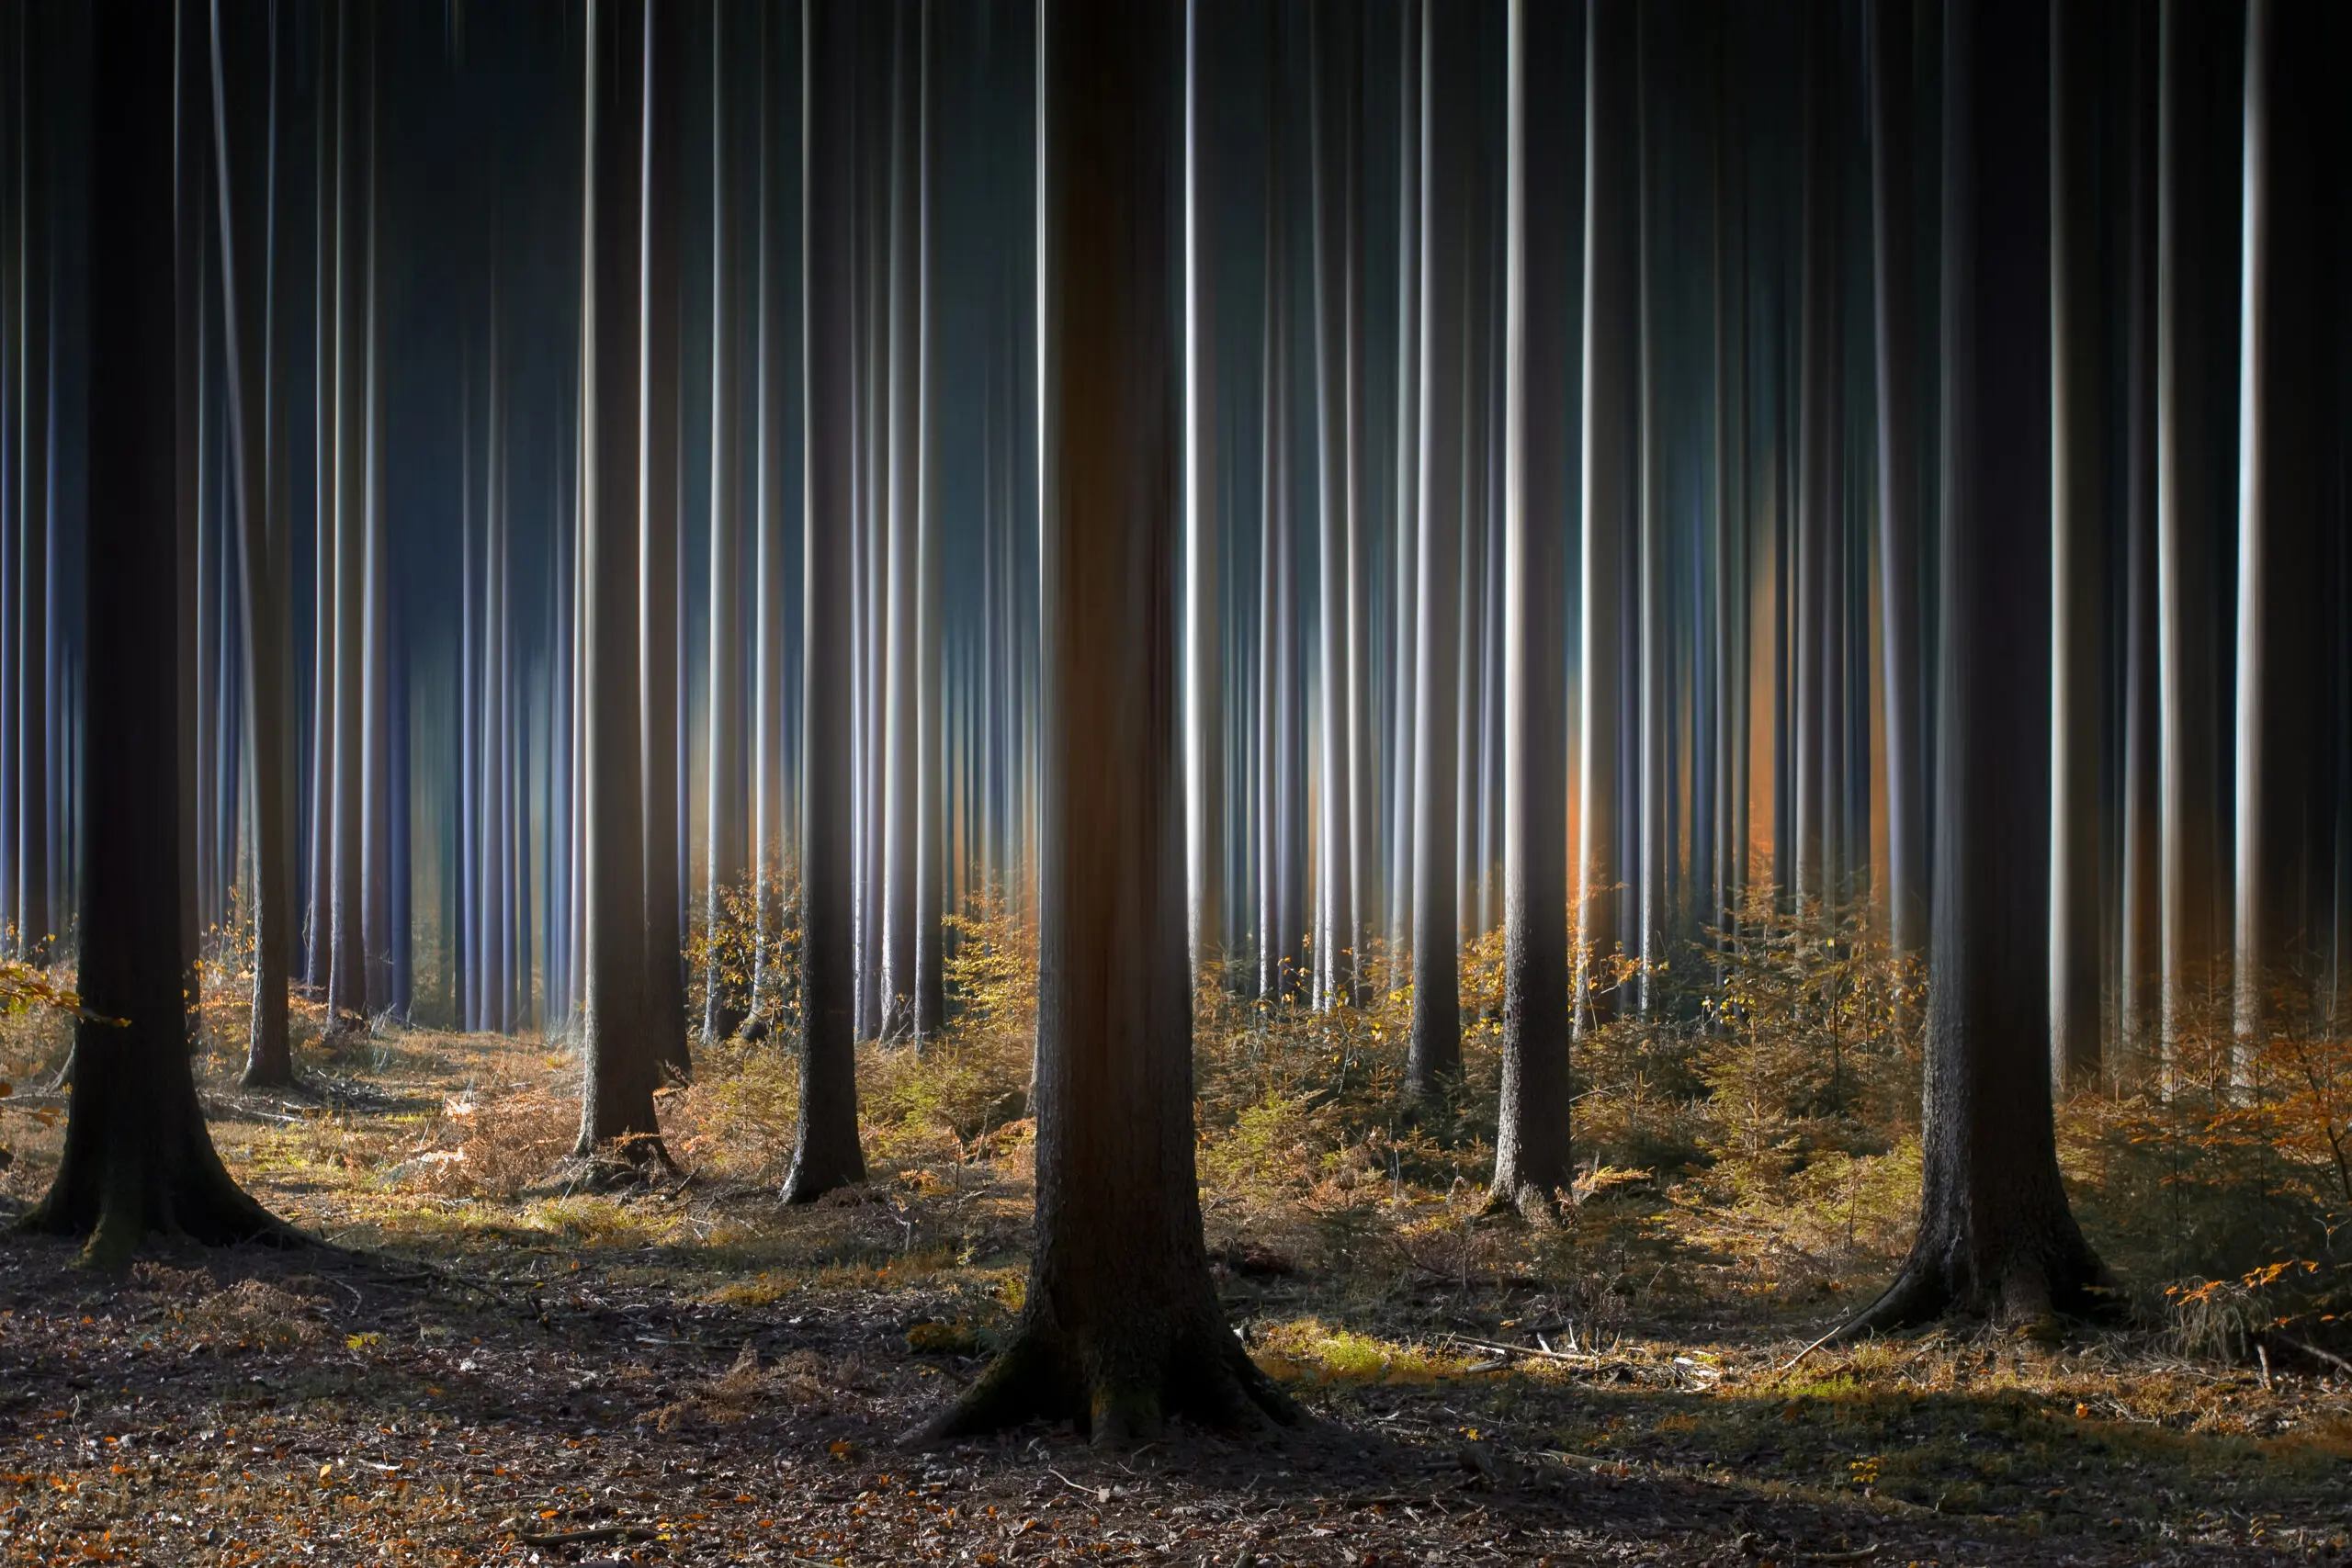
<point>1533,1158</point>
<point>1898,474</point>
<point>657,530</point>
<point>617,1116</point>
<point>728,802</point>
<point>1612,293</point>
<point>1995,1235</point>
<point>2140,983</point>
<point>2187,557</point>
<point>1435,1048</point>
<point>2078,453</point>
<point>138,1158</point>
<point>248,224</point>
<point>826,1152</point>
<point>2284,451</point>
<point>1122,1327</point>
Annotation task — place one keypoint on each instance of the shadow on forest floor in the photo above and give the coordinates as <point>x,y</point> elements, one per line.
<point>691,1375</point>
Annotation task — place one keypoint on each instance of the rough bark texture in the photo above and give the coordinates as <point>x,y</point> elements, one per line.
<point>1995,1235</point>
<point>1436,1042</point>
<point>826,1153</point>
<point>138,1158</point>
<point>616,1115</point>
<point>1532,1150</point>
<point>1122,1328</point>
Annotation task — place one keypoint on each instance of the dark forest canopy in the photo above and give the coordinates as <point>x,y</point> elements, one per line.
<point>1275,492</point>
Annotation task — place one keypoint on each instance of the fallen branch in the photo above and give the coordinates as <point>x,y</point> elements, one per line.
<point>2330,1357</point>
<point>586,1536</point>
<point>1500,1349</point>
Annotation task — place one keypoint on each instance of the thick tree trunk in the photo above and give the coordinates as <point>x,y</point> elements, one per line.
<point>616,1118</point>
<point>1611,398</point>
<point>657,530</point>
<point>1533,1160</point>
<point>1122,1328</point>
<point>138,1158</point>
<point>248,224</point>
<point>826,1152</point>
<point>728,802</point>
<point>1899,474</point>
<point>1995,1234</point>
<point>768,605</point>
<point>1435,1049</point>
<point>2079,452</point>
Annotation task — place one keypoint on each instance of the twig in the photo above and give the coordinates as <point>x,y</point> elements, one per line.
<point>1520,1350</point>
<point>1860,1554</point>
<point>1100,1493</point>
<point>1817,1345</point>
<point>2330,1357</point>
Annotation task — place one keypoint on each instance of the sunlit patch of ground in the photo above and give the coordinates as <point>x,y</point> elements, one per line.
<point>691,1373</point>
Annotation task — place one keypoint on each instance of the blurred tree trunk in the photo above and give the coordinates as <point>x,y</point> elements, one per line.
<point>1611,402</point>
<point>1446,124</point>
<point>728,805</point>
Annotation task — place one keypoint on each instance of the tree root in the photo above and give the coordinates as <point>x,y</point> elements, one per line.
<point>1043,1376</point>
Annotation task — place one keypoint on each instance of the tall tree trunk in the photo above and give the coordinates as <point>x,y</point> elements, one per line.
<point>1404,684</point>
<point>826,1152</point>
<point>1610,402</point>
<point>1533,1160</point>
<point>2284,450</point>
<point>658,530</point>
<point>617,1114</point>
<point>1204,532</point>
<point>347,978</point>
<point>1122,1327</point>
<point>2078,453</point>
<point>246,162</point>
<point>930,719</point>
<point>1654,676</point>
<point>2187,557</point>
<point>1995,1235</point>
<point>1435,1047</point>
<point>1898,474</point>
<point>1332,74</point>
<point>728,810</point>
<point>1816,603</point>
<point>768,607</point>
<point>2140,982</point>
<point>326,429</point>
<point>901,563</point>
<point>138,1158</point>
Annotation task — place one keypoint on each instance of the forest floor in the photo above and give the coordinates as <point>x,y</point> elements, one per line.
<point>488,1368</point>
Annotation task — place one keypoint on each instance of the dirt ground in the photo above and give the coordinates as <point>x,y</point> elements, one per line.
<point>693,1375</point>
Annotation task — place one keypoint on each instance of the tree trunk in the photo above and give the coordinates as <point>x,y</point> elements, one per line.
<point>1816,603</point>
<point>1122,1328</point>
<point>659,527</point>
<point>616,1118</point>
<point>826,1152</point>
<point>1533,1160</point>
<point>1612,293</point>
<point>729,803</point>
<point>1898,474</point>
<point>348,976</point>
<point>2077,799</point>
<point>1204,619</point>
<point>1331,76</point>
<point>930,718</point>
<point>326,429</point>
<point>2187,559</point>
<point>248,224</point>
<point>1435,1048</point>
<point>1995,1235</point>
<point>2284,451</point>
<point>1403,685</point>
<point>1653,683</point>
<point>138,1158</point>
<point>2140,982</point>
<point>768,606</point>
